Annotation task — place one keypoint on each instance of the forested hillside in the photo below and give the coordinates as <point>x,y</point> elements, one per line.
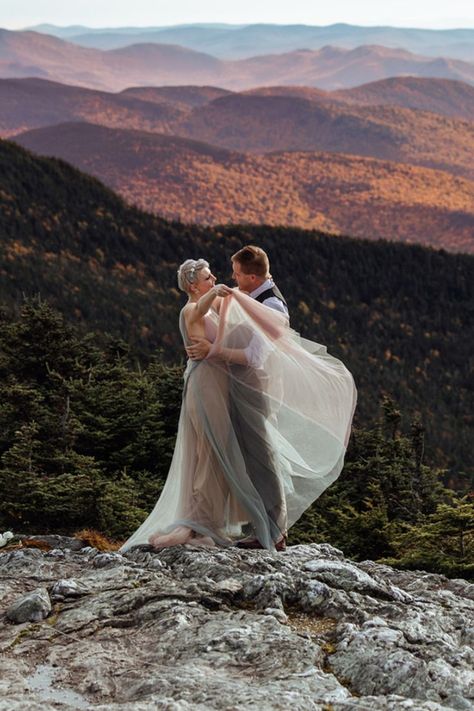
<point>399,316</point>
<point>200,183</point>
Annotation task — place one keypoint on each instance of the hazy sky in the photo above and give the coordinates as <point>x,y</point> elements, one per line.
<point>16,14</point>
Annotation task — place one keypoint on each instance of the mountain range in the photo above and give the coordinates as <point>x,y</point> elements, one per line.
<point>195,153</point>
<point>34,103</point>
<point>253,139</point>
<point>302,119</point>
<point>243,41</point>
<point>32,54</point>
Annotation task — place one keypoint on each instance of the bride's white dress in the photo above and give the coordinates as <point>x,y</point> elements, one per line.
<point>256,443</point>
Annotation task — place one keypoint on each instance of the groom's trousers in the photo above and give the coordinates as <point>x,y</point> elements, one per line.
<point>249,413</point>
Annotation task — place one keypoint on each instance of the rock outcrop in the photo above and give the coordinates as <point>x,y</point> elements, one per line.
<point>190,628</point>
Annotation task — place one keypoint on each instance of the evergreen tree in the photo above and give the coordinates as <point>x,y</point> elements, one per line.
<point>441,542</point>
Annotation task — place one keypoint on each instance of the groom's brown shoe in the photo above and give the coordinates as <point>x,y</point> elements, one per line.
<point>254,544</point>
<point>281,544</point>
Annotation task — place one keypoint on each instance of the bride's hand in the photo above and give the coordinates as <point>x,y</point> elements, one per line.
<point>223,290</point>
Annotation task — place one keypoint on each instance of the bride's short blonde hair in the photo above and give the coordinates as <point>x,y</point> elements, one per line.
<point>188,273</point>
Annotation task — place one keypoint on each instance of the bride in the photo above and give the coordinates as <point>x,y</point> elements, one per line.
<point>263,428</point>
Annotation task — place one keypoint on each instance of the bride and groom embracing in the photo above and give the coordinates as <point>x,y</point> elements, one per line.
<point>265,416</point>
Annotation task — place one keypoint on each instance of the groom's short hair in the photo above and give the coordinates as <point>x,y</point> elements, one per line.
<point>252,260</point>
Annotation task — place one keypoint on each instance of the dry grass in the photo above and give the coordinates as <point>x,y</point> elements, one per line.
<point>35,543</point>
<point>97,540</point>
<point>27,543</point>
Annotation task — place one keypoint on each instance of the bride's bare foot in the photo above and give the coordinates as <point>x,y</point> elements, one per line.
<point>205,541</point>
<point>176,537</point>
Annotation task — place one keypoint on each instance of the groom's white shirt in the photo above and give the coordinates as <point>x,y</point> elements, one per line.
<point>257,350</point>
<point>272,302</point>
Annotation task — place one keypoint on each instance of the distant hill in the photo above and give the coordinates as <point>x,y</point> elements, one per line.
<point>181,96</point>
<point>196,182</point>
<point>241,41</point>
<point>400,316</point>
<point>32,103</point>
<point>310,93</point>
<point>336,68</point>
<point>240,121</point>
<point>30,54</point>
<point>446,97</point>
<point>26,54</point>
<point>441,96</point>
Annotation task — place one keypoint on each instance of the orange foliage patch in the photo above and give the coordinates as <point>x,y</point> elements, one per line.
<point>96,540</point>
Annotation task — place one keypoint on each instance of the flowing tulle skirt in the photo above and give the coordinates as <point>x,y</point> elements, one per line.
<point>256,443</point>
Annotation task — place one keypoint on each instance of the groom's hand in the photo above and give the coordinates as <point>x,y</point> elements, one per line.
<point>199,349</point>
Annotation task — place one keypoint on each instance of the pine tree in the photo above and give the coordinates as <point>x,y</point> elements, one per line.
<point>442,542</point>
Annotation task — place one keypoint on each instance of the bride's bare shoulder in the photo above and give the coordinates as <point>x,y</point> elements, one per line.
<point>189,312</point>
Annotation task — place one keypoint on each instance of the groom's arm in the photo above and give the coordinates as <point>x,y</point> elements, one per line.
<point>253,355</point>
<point>199,350</point>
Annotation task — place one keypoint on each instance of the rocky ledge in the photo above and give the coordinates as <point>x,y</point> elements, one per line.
<point>189,628</point>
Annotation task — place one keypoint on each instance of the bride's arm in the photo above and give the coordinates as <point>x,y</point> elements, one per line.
<point>202,306</point>
<point>216,305</point>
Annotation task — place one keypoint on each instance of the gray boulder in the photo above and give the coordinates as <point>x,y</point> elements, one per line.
<point>30,608</point>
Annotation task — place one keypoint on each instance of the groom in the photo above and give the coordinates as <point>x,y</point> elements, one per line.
<point>251,272</point>
<point>249,407</point>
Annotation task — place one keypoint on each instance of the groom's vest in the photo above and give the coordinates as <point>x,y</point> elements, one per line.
<point>271,291</point>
